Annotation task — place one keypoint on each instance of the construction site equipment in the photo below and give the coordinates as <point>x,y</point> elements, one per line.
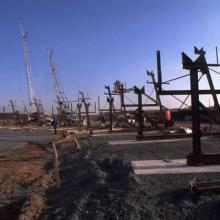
<point>110,100</point>
<point>86,105</point>
<point>34,102</point>
<point>61,100</point>
<point>12,105</point>
<point>83,101</point>
<point>140,114</point>
<point>64,106</point>
<point>118,90</point>
<point>140,92</point>
<point>195,67</point>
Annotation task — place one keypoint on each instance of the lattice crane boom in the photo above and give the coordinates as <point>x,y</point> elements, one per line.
<point>59,92</point>
<point>28,67</point>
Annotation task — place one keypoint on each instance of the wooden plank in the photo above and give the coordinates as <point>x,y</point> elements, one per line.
<point>56,165</point>
<point>69,138</point>
<point>205,187</point>
<point>76,143</point>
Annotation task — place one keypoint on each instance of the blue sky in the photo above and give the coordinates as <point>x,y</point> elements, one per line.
<point>96,42</point>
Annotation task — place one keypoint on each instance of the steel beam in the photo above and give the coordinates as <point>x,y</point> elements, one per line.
<point>159,71</point>
<point>157,88</point>
<point>195,111</point>
<point>110,100</point>
<point>140,131</point>
<point>187,92</point>
<point>144,105</point>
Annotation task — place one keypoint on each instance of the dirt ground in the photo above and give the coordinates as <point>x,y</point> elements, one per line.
<point>23,177</point>
<point>98,182</point>
<point>23,181</point>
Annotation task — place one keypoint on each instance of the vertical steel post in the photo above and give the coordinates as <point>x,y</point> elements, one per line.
<point>195,111</point>
<point>52,111</point>
<point>216,51</point>
<point>122,98</point>
<point>79,113</point>
<point>87,114</point>
<point>60,112</point>
<point>140,132</point>
<point>159,71</point>
<point>205,70</point>
<point>99,103</point>
<point>110,100</point>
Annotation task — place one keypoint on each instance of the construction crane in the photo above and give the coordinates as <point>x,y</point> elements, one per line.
<point>34,102</point>
<point>62,101</point>
<point>59,92</point>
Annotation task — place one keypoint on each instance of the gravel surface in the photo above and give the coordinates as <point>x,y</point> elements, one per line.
<point>99,183</point>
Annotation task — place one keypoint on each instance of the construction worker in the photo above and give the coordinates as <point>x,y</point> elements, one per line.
<point>168,121</point>
<point>54,123</point>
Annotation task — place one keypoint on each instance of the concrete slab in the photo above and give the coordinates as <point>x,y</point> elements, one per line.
<point>122,133</point>
<point>12,139</point>
<point>126,142</point>
<point>113,134</point>
<point>178,166</point>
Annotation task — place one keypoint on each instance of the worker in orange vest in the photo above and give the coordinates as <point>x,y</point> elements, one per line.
<point>167,118</point>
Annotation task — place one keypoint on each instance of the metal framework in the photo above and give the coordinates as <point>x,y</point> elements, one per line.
<point>86,105</point>
<point>119,90</point>
<point>83,101</point>
<point>195,67</point>
<point>110,100</point>
<point>34,101</point>
<point>61,102</point>
<point>141,113</point>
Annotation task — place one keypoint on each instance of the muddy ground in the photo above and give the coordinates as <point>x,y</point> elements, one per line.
<point>98,183</point>
<point>23,174</point>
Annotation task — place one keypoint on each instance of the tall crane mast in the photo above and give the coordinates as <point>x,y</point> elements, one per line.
<point>61,99</point>
<point>35,104</point>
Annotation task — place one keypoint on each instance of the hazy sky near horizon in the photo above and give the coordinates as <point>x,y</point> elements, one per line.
<point>96,42</point>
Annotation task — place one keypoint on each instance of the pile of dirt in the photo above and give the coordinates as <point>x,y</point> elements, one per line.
<point>100,184</point>
<point>94,186</point>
